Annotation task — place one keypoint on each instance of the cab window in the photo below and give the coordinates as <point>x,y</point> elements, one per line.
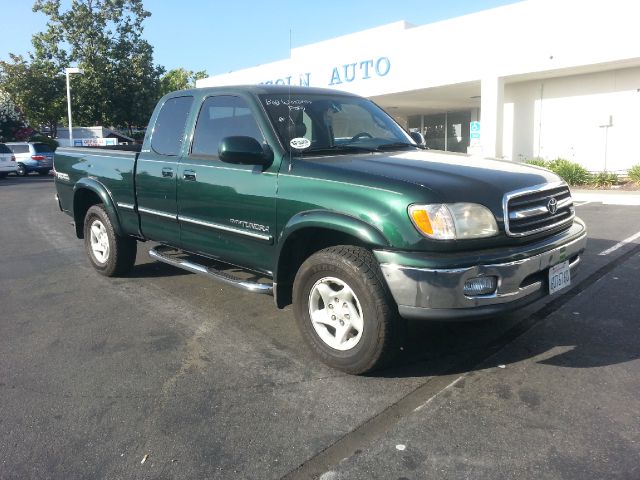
<point>223,116</point>
<point>168,132</point>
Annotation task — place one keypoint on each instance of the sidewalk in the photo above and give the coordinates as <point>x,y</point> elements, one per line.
<point>607,197</point>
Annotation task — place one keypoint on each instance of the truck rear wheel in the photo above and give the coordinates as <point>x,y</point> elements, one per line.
<point>110,254</point>
<point>345,311</point>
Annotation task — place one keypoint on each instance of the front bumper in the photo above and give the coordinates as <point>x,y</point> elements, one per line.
<point>437,293</point>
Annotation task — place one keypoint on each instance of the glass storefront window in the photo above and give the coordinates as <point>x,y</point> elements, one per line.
<point>444,131</point>
<point>414,123</point>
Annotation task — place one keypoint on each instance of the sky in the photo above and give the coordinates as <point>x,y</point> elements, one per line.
<point>223,36</point>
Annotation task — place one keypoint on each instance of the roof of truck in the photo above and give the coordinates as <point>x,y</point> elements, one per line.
<point>267,89</point>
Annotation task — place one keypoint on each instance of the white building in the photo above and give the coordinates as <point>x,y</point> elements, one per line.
<point>545,78</point>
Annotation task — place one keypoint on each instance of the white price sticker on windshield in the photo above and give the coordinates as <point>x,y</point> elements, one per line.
<point>300,143</point>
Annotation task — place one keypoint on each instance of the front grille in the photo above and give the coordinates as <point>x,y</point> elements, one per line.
<point>530,210</point>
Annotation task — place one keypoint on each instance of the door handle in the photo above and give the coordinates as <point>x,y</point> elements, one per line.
<point>167,172</point>
<point>189,175</point>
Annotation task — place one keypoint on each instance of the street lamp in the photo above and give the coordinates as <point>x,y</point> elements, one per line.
<point>69,71</point>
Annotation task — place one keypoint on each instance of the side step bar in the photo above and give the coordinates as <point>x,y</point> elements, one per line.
<point>246,285</point>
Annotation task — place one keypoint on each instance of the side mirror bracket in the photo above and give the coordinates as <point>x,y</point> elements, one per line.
<point>419,139</point>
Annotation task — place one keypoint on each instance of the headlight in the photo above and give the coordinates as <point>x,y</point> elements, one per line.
<point>453,221</point>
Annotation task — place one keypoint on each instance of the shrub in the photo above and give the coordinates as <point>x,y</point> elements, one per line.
<point>138,136</point>
<point>49,141</point>
<point>634,173</point>
<point>604,179</point>
<point>571,172</point>
<point>538,162</point>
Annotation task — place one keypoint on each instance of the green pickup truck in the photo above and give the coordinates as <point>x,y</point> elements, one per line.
<point>322,200</point>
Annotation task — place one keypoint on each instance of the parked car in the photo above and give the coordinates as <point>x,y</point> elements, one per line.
<point>7,161</point>
<point>32,157</point>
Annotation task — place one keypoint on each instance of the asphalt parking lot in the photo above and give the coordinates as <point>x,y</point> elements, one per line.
<point>204,381</point>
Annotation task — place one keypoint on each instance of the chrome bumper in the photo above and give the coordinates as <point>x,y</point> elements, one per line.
<point>427,293</point>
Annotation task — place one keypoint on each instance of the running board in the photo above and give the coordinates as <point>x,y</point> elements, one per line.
<point>246,285</point>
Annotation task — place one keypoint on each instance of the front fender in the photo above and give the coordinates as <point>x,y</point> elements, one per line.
<point>103,193</point>
<point>316,222</point>
<point>339,222</point>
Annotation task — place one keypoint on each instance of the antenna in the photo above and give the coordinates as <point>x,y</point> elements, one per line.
<point>289,106</point>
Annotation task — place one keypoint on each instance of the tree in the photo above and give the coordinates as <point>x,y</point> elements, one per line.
<point>12,126</point>
<point>179,79</point>
<point>36,88</point>
<point>120,83</point>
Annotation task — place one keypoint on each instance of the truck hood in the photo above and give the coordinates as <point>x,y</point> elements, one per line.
<point>446,177</point>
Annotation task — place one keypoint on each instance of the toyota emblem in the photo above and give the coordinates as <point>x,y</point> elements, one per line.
<point>552,206</point>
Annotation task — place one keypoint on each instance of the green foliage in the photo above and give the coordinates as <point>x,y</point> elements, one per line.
<point>12,126</point>
<point>179,79</point>
<point>571,172</point>
<point>138,135</point>
<point>37,88</point>
<point>538,162</point>
<point>634,173</point>
<point>119,86</point>
<point>604,179</point>
<point>49,141</point>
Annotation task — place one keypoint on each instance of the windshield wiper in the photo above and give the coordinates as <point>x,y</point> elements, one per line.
<point>339,149</point>
<point>395,145</point>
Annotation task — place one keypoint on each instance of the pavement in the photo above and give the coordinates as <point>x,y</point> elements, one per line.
<point>203,381</point>
<point>560,401</point>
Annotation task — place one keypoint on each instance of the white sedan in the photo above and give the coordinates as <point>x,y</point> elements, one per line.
<point>7,161</point>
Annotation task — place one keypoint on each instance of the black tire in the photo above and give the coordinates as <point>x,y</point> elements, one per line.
<point>382,331</point>
<point>121,255</point>
<point>3,174</point>
<point>42,173</point>
<point>22,170</point>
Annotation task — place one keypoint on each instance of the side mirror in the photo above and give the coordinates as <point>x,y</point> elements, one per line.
<point>244,151</point>
<point>419,139</point>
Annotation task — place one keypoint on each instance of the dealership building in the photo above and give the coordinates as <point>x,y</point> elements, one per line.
<point>538,78</point>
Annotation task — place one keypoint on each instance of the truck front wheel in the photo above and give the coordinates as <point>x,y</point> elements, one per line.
<point>110,254</point>
<point>345,311</point>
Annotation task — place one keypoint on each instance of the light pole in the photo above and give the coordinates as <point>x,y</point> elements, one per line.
<point>69,71</point>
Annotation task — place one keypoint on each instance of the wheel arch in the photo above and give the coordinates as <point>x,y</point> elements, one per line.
<point>309,232</point>
<point>86,193</point>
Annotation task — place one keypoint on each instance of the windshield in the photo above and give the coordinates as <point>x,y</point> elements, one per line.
<point>329,124</point>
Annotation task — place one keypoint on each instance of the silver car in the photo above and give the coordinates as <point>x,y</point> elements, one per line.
<point>32,157</point>
<point>7,161</point>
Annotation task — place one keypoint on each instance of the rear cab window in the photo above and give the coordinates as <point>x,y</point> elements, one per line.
<point>168,132</point>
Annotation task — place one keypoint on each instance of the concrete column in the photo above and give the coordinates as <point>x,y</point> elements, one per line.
<point>491,113</point>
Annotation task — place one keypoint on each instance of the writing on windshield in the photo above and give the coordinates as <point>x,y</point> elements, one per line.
<point>332,123</point>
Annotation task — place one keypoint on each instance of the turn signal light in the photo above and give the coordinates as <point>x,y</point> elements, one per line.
<point>421,219</point>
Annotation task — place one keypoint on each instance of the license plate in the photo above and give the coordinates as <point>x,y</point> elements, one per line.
<point>559,277</point>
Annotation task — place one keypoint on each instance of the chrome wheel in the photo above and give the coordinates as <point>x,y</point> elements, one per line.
<point>335,313</point>
<point>99,241</point>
